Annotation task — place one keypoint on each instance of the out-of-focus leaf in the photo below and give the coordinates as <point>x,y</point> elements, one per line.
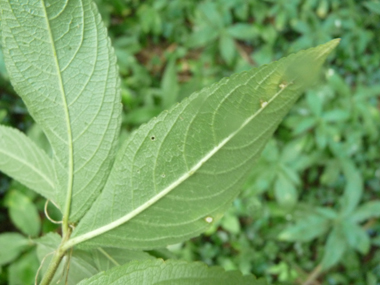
<point>169,85</point>
<point>141,115</point>
<point>23,270</point>
<point>242,31</point>
<point>211,14</point>
<point>231,223</point>
<point>315,103</point>
<point>354,187</point>
<point>306,229</point>
<point>227,48</point>
<point>11,246</point>
<point>304,125</point>
<point>285,191</point>
<point>321,136</point>
<point>284,272</point>
<point>336,115</point>
<point>335,246</point>
<point>366,211</point>
<point>356,236</point>
<point>23,213</point>
<point>373,6</point>
<point>201,37</point>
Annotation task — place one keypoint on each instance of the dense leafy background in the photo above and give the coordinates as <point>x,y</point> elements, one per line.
<point>311,205</point>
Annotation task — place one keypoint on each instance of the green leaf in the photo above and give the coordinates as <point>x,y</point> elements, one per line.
<point>22,160</point>
<point>211,15</point>
<point>60,61</point>
<point>336,115</point>
<point>201,37</point>
<point>11,244</point>
<point>356,237</point>
<point>285,191</point>
<point>306,229</point>
<point>335,247</point>
<point>23,270</point>
<point>177,174</point>
<point>304,125</point>
<point>169,85</point>
<point>242,31</point>
<point>373,6</point>
<point>23,213</point>
<point>315,103</point>
<point>170,272</point>
<point>354,187</point>
<point>84,264</point>
<point>366,211</point>
<point>231,223</point>
<point>227,48</point>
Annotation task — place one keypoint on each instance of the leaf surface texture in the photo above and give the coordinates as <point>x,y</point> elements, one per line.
<point>177,174</point>
<point>170,272</point>
<point>24,161</point>
<point>61,63</point>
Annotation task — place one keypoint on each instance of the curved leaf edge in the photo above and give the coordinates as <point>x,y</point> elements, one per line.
<point>145,128</point>
<point>199,271</point>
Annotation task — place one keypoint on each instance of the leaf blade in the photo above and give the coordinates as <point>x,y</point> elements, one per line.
<point>23,160</point>
<point>61,63</point>
<point>170,272</point>
<point>185,149</point>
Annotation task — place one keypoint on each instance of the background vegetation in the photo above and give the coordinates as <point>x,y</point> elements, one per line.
<point>310,211</point>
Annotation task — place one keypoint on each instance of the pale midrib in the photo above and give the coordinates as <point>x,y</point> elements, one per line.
<point>168,189</point>
<point>66,212</point>
<point>31,166</point>
<point>89,235</point>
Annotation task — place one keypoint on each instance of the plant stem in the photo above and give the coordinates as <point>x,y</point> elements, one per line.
<point>56,260</point>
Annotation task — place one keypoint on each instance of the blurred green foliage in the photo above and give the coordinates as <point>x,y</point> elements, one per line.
<point>311,207</point>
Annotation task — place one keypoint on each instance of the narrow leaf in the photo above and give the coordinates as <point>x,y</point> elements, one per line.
<point>356,237</point>
<point>368,210</point>
<point>169,85</point>
<point>306,229</point>
<point>170,272</point>
<point>177,174</point>
<point>61,63</point>
<point>25,162</point>
<point>354,187</point>
<point>335,246</point>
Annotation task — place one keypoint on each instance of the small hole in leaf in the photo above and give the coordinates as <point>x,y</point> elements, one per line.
<point>163,175</point>
<point>209,219</point>
<point>153,138</point>
<point>263,103</point>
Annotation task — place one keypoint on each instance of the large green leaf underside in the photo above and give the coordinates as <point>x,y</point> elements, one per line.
<point>177,174</point>
<point>61,63</point>
<point>170,272</point>
<point>23,160</point>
